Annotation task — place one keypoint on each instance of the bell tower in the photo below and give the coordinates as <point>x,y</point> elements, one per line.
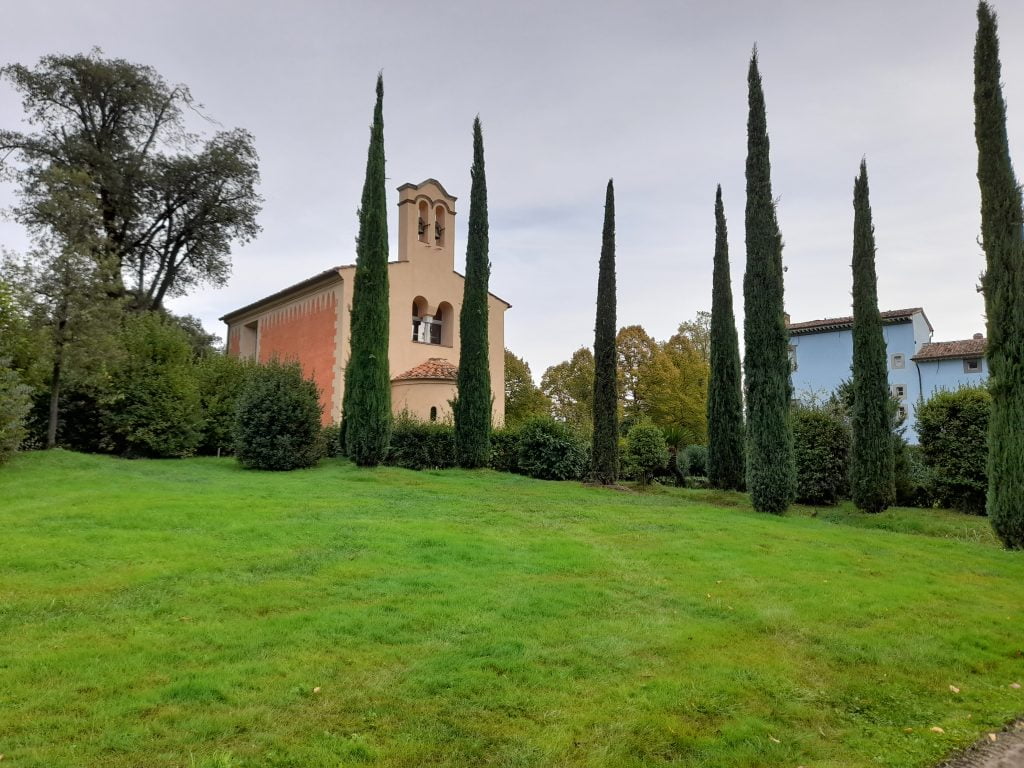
<point>426,223</point>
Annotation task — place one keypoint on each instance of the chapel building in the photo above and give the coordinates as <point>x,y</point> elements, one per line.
<point>309,322</point>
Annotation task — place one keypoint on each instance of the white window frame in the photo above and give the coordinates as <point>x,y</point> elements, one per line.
<point>898,361</point>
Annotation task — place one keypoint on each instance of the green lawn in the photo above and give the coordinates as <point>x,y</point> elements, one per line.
<point>183,613</point>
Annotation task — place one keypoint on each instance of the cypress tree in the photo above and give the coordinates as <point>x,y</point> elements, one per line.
<point>1003,285</point>
<point>771,471</point>
<point>367,397</point>
<point>605,445</point>
<point>872,476</point>
<point>472,407</point>
<point>725,399</point>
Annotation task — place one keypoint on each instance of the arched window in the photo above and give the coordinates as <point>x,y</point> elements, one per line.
<point>433,413</point>
<point>421,225</point>
<point>419,314</point>
<point>439,225</point>
<point>446,316</point>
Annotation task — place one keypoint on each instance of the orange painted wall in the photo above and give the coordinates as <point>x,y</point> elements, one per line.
<point>305,331</point>
<point>234,342</point>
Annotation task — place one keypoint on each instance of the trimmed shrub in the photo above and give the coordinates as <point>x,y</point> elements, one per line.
<point>421,444</point>
<point>14,407</point>
<point>646,450</point>
<point>277,424</point>
<point>549,450</point>
<point>821,444</point>
<point>505,450</point>
<point>695,461</point>
<point>953,429</point>
<point>220,379</point>
<point>332,440</point>
<point>152,407</point>
<point>913,478</point>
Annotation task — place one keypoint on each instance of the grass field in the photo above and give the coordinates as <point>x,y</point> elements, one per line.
<point>189,613</point>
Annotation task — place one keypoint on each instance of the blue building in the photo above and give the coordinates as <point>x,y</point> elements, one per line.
<point>821,352</point>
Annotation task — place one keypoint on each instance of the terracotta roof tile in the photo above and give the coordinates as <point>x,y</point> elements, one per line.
<point>434,368</point>
<point>837,323</point>
<point>939,350</point>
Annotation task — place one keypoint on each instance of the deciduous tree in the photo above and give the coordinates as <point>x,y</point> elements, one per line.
<point>523,399</point>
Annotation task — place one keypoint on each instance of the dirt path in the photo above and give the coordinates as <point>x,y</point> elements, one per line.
<point>1007,751</point>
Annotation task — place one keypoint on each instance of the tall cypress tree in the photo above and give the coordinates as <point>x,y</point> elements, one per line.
<point>1003,284</point>
<point>871,465</point>
<point>473,405</point>
<point>605,446</point>
<point>367,397</point>
<point>771,471</point>
<point>726,449</point>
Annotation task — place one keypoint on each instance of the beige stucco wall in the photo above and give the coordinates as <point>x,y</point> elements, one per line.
<point>418,396</point>
<point>423,270</point>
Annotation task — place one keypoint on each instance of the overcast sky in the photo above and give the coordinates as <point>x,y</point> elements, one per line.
<point>570,94</point>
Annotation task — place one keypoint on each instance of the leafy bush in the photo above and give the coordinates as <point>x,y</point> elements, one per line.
<point>953,429</point>
<point>220,379</point>
<point>505,450</point>
<point>421,444</point>
<point>332,442</point>
<point>14,407</point>
<point>549,450</point>
<point>277,424</point>
<point>913,478</point>
<point>695,461</point>
<point>152,408</point>
<point>821,446</point>
<point>646,450</point>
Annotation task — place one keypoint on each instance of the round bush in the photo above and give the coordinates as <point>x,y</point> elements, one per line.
<point>646,450</point>
<point>277,424</point>
<point>821,447</point>
<point>695,458</point>
<point>953,428</point>
<point>548,450</point>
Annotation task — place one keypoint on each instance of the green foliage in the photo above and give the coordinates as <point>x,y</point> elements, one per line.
<point>419,444</point>
<point>605,439</point>
<point>726,434</point>
<point>221,379</point>
<point>549,450</point>
<point>523,399</point>
<point>771,472</point>
<point>152,406</point>
<point>646,450</point>
<point>570,387</point>
<point>914,480</point>
<point>332,440</point>
<point>14,407</point>
<point>953,430</point>
<point>871,461</point>
<point>472,408</point>
<point>277,423</point>
<point>1003,286</point>
<point>505,449</point>
<point>695,461</point>
<point>821,447</point>
<point>160,207</point>
<point>366,403</point>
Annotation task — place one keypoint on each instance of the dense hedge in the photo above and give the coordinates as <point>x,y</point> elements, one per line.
<point>14,407</point>
<point>914,481</point>
<point>220,379</point>
<point>694,460</point>
<point>421,444</point>
<point>277,423</point>
<point>549,450</point>
<point>152,405</point>
<point>646,451</point>
<point>821,446</point>
<point>505,450</point>
<point>953,429</point>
